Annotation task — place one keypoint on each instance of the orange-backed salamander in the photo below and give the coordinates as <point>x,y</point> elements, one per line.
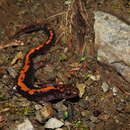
<point>47,92</point>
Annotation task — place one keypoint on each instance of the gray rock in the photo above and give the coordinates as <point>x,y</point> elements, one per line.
<point>114,90</point>
<point>53,123</point>
<point>12,72</point>
<point>59,129</point>
<point>26,125</point>
<point>94,119</point>
<point>112,40</point>
<point>44,113</point>
<point>105,87</point>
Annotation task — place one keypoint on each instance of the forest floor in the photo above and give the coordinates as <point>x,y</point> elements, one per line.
<point>96,109</point>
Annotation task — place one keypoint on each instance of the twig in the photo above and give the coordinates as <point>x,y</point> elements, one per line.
<point>13,43</point>
<point>61,13</point>
<point>58,39</point>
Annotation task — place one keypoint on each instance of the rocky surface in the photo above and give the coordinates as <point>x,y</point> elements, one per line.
<point>112,40</point>
<point>26,125</point>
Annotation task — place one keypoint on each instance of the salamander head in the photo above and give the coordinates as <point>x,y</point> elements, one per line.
<point>60,92</point>
<point>67,91</point>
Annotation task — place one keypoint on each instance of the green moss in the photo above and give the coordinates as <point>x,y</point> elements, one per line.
<point>62,58</point>
<point>80,125</point>
<point>82,59</point>
<point>66,115</point>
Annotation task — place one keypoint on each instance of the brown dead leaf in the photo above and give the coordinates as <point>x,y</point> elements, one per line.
<point>18,56</point>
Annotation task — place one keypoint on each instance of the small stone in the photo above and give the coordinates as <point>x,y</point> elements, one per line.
<point>120,107</point>
<point>44,113</point>
<point>93,119</point>
<point>26,125</point>
<point>115,90</point>
<point>104,117</point>
<point>59,129</point>
<point>66,50</point>
<point>68,124</point>
<point>105,87</point>
<point>12,72</point>
<point>85,113</point>
<point>48,69</point>
<point>117,121</point>
<point>53,123</point>
<point>122,100</point>
<point>61,110</point>
<point>60,106</point>
<point>87,98</point>
<point>38,107</point>
<point>91,125</point>
<point>128,99</point>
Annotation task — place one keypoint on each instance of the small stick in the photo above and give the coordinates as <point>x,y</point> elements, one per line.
<point>61,13</point>
<point>13,43</point>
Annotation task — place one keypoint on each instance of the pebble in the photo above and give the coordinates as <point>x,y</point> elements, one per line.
<point>61,109</point>
<point>104,117</point>
<point>93,119</point>
<point>114,90</point>
<point>105,87</point>
<point>120,107</point>
<point>84,113</point>
<point>60,106</point>
<point>44,113</point>
<point>26,125</point>
<point>53,123</point>
<point>38,107</point>
<point>66,50</point>
<point>128,99</point>
<point>48,69</point>
<point>12,72</point>
<point>59,129</point>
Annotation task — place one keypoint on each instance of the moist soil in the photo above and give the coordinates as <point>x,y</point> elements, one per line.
<point>96,109</point>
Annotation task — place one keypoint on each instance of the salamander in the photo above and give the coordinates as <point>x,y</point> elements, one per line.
<point>46,93</point>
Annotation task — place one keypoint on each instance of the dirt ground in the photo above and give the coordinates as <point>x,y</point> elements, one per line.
<point>95,109</point>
